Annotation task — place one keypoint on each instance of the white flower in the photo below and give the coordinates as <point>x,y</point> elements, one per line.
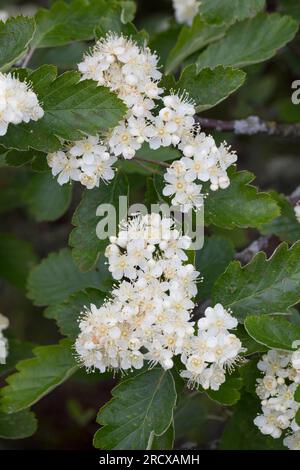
<point>185,10</point>
<point>276,390</point>
<point>123,142</point>
<point>4,323</point>
<point>88,149</point>
<point>217,319</point>
<point>66,167</point>
<point>297,212</point>
<point>18,102</point>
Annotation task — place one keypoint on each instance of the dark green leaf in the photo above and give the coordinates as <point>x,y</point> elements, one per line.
<point>240,205</point>
<point>228,393</point>
<point>286,226</point>
<point>16,259</point>
<point>262,286</point>
<point>17,350</point>
<point>72,107</point>
<point>248,342</point>
<point>241,433</point>
<point>87,247</point>
<point>251,41</point>
<point>57,277</point>
<point>75,21</point>
<point>17,425</point>
<point>165,441</point>
<point>273,332</point>
<point>211,261</point>
<point>45,198</point>
<point>141,408</point>
<point>66,314</point>
<point>37,377</point>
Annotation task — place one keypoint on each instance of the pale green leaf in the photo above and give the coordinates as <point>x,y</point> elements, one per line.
<point>250,42</point>
<point>210,87</point>
<point>262,286</point>
<point>15,36</point>
<point>141,408</point>
<point>193,39</point>
<point>229,11</point>
<point>273,332</point>
<point>37,377</point>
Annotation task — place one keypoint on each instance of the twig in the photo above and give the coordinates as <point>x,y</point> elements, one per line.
<point>152,170</point>
<point>28,57</point>
<point>153,162</point>
<point>250,126</point>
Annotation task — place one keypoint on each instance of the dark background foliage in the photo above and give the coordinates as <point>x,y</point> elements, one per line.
<point>67,416</point>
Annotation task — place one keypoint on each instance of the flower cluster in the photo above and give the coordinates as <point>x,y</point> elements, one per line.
<point>3,341</point>
<point>132,73</point>
<point>148,316</point>
<point>185,10</point>
<point>281,377</point>
<point>297,212</point>
<point>18,102</point>
<point>87,161</point>
<point>214,349</point>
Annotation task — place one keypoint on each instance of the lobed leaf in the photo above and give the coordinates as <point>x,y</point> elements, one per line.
<point>262,286</point>
<point>37,377</point>
<point>141,408</point>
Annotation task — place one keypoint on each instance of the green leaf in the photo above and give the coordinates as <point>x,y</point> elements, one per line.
<point>45,198</point>
<point>250,373</point>
<point>87,247</point>
<point>37,377</point>
<point>15,36</point>
<point>66,314</point>
<point>262,286</point>
<point>141,408</point>
<point>229,11</point>
<point>273,332</point>
<point>165,441</point>
<point>248,343</point>
<point>297,417</point>
<point>15,158</point>
<point>75,21</point>
<point>286,226</point>
<point>240,205</point>
<point>18,425</point>
<point>290,7</point>
<point>193,39</point>
<point>211,261</point>
<point>17,350</point>
<point>72,107</point>
<point>209,87</point>
<point>16,259</point>
<point>57,277</point>
<point>297,394</point>
<point>228,393</point>
<point>241,433</point>
<point>250,41</point>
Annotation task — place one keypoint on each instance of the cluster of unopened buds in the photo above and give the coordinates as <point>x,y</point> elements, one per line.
<point>185,10</point>
<point>281,377</point>
<point>148,316</point>
<point>3,341</point>
<point>18,102</point>
<point>132,72</point>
